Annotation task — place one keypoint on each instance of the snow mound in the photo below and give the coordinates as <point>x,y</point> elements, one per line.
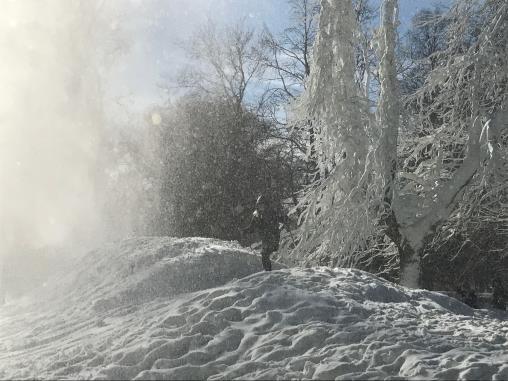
<point>291,323</point>
<point>141,269</point>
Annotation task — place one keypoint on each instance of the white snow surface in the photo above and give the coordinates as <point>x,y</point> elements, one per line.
<point>196,308</point>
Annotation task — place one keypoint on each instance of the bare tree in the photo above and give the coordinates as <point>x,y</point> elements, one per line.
<point>287,59</point>
<point>226,62</point>
<point>288,56</point>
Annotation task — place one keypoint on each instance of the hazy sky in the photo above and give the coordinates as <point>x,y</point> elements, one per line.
<point>157,28</point>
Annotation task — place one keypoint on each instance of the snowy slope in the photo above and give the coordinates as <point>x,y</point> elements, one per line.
<point>163,308</point>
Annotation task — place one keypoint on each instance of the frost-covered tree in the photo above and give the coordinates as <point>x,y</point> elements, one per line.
<point>467,92</point>
<point>367,192</point>
<point>288,59</point>
<point>332,224</point>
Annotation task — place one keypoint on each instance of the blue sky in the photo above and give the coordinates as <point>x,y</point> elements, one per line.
<point>157,28</point>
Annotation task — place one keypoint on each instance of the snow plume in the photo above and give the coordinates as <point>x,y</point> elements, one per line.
<point>337,205</point>
<point>51,119</point>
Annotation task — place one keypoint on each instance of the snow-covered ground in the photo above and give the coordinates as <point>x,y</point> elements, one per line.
<point>165,308</point>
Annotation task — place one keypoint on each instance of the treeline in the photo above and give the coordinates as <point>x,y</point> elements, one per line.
<point>389,151</point>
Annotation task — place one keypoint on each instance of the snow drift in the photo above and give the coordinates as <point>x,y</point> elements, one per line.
<point>164,308</point>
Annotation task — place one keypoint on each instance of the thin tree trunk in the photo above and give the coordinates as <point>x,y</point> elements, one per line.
<point>410,238</point>
<point>313,161</point>
<point>388,119</point>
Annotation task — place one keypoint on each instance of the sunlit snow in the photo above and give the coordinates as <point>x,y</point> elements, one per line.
<point>196,308</point>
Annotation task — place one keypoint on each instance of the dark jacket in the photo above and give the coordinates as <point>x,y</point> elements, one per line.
<point>267,225</point>
<point>498,295</point>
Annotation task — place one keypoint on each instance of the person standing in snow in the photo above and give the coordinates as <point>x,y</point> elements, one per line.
<point>498,294</point>
<point>265,220</point>
<point>468,295</point>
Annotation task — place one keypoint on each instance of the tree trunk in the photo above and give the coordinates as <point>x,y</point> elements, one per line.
<point>388,119</point>
<point>410,237</point>
<point>313,163</point>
